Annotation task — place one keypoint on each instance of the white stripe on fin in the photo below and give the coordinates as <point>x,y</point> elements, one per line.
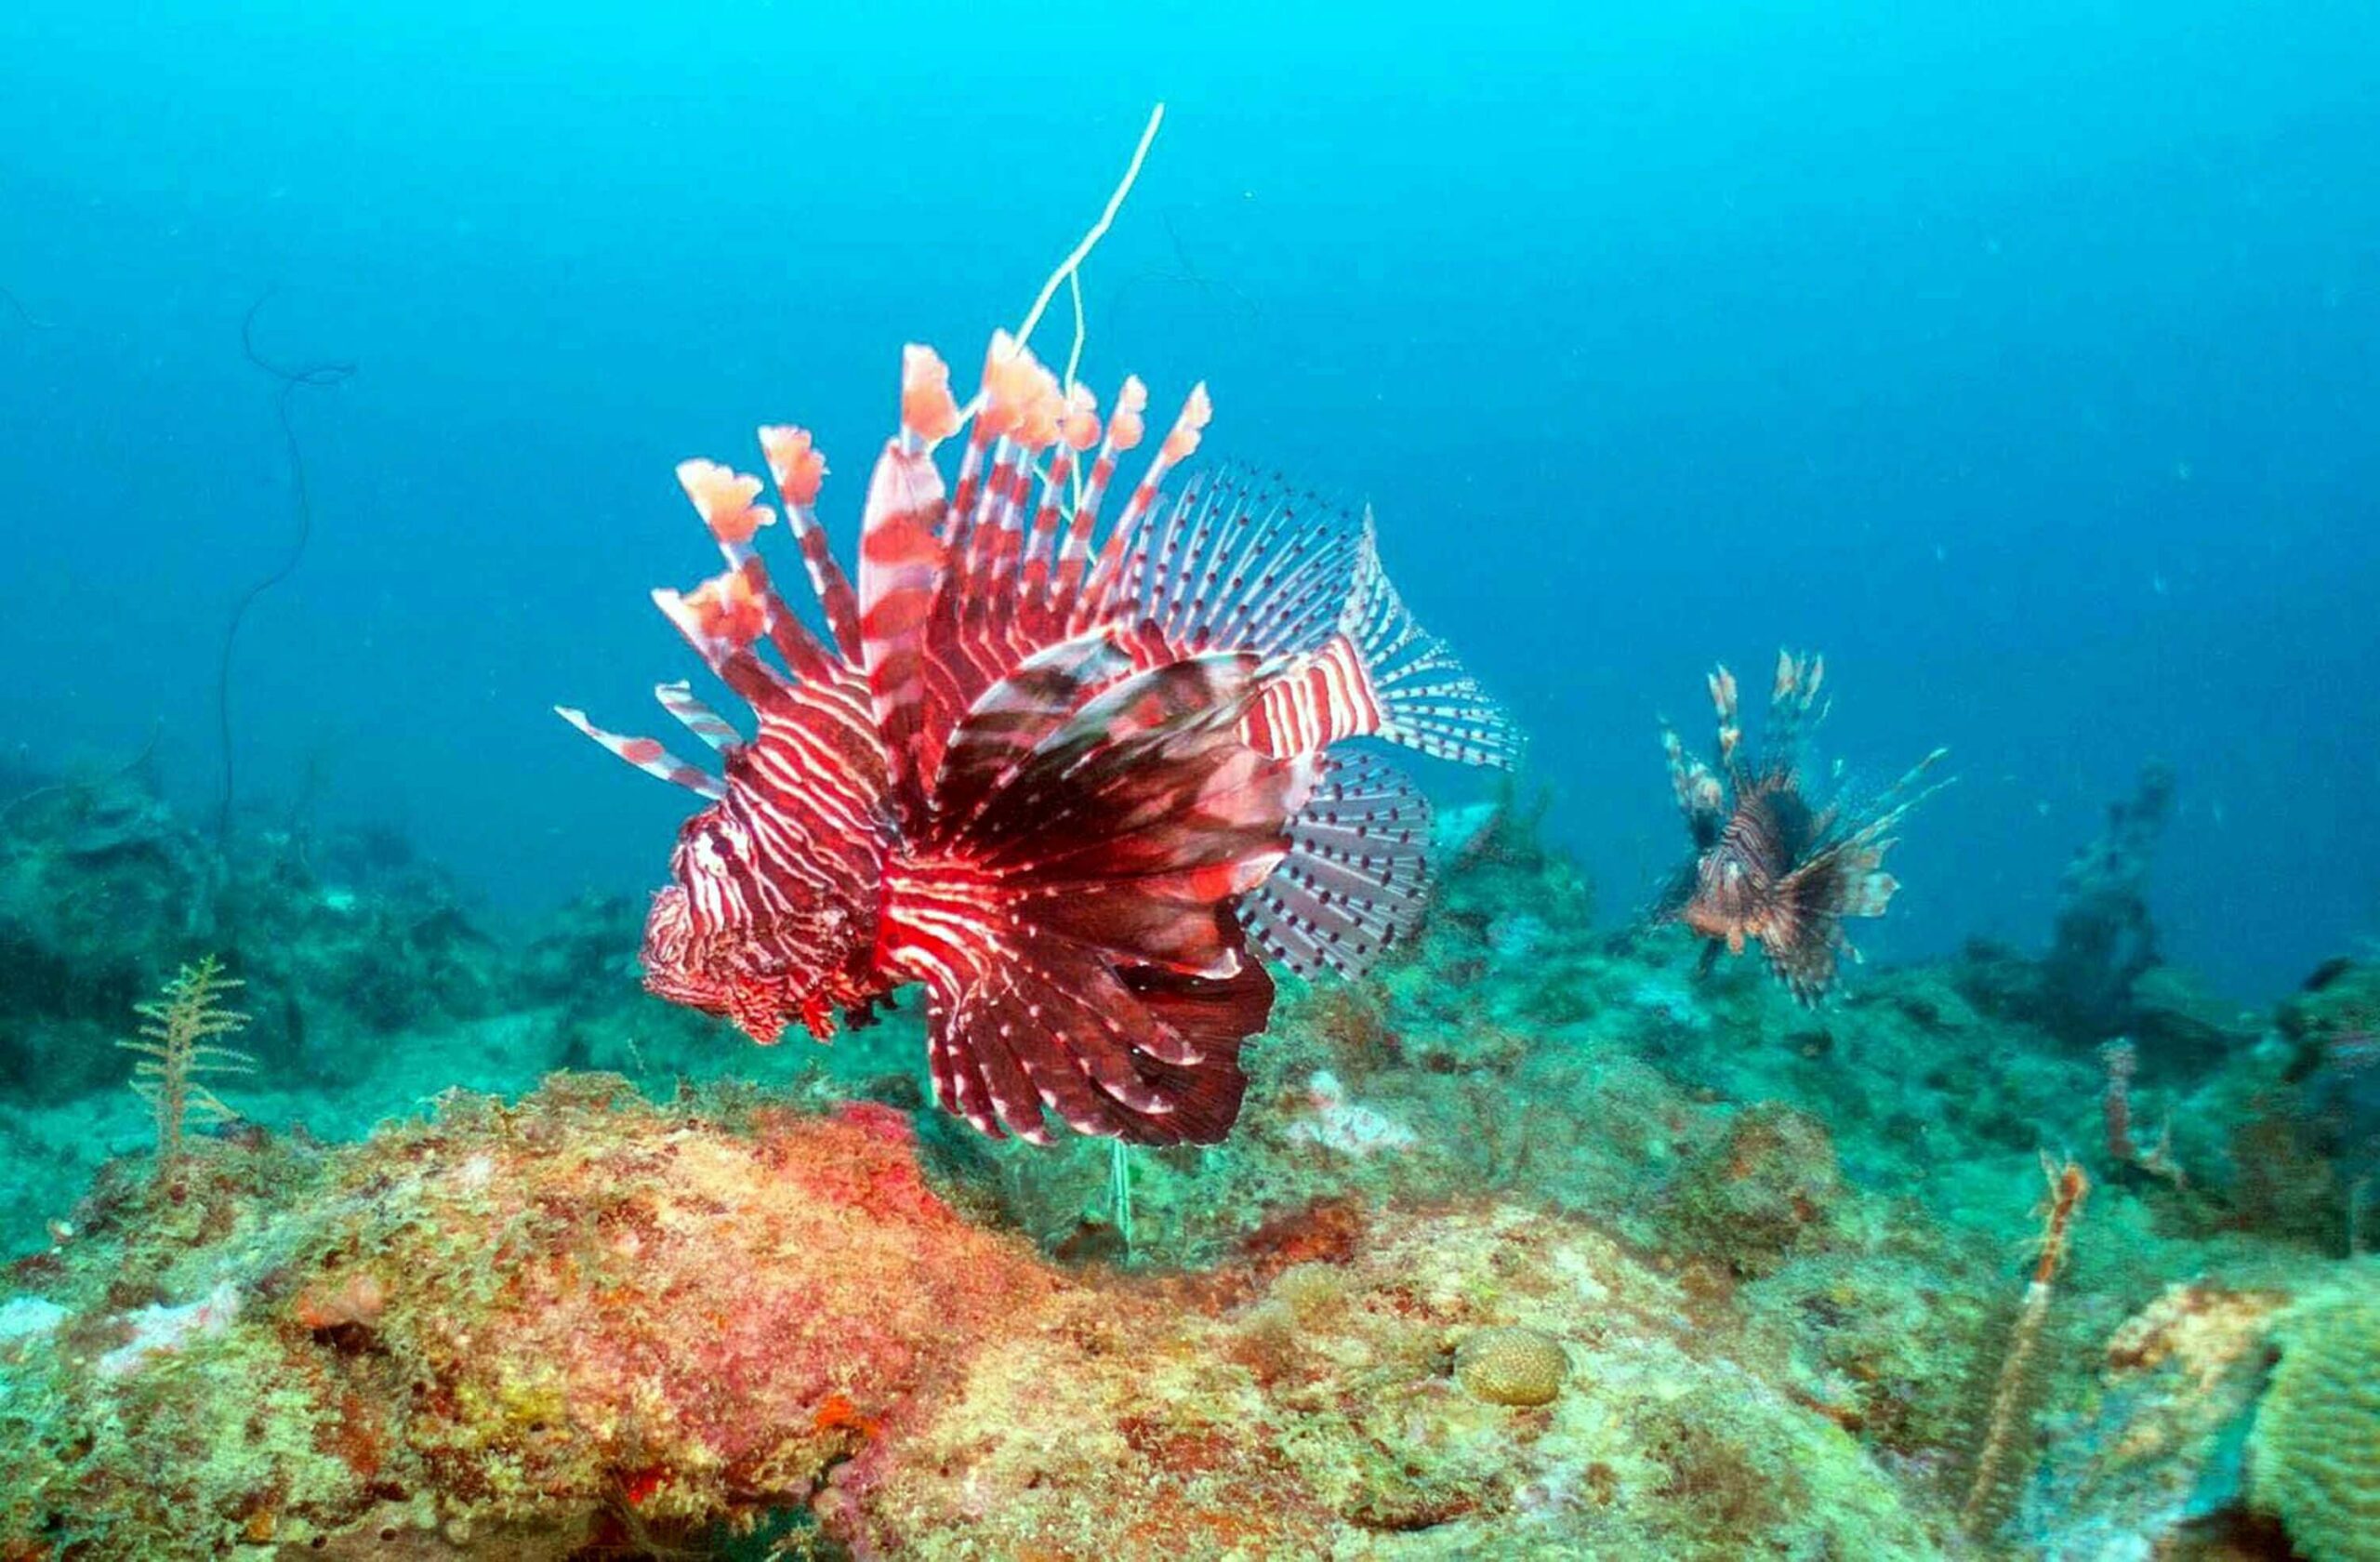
<point>1357,878</point>
<point>695,717</point>
<point>648,755</point>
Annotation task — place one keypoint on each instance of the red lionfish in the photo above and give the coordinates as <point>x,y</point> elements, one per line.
<point>1061,779</point>
<point>1771,864</point>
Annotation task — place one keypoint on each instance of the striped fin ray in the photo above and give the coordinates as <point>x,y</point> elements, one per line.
<point>1074,928</point>
<point>1427,700</point>
<point>1793,705</point>
<point>1108,584</point>
<point>1244,563</point>
<point>695,717</point>
<point>901,567</point>
<point>1124,432</point>
<point>1357,880</point>
<point>797,469</point>
<point>647,755</point>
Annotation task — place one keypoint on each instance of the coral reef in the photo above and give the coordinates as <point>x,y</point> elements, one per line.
<point>1511,1364</point>
<point>1541,1242</point>
<point>513,1324</point>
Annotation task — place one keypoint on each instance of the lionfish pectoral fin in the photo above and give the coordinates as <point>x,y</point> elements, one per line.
<point>1356,880</point>
<point>1008,719</point>
<point>1075,926</point>
<point>1132,1053</point>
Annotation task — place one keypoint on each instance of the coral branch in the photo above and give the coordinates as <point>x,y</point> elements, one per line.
<point>2115,1101</point>
<point>175,1049</point>
<point>2002,1457</point>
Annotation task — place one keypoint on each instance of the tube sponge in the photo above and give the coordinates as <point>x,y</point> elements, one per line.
<point>2314,1458</point>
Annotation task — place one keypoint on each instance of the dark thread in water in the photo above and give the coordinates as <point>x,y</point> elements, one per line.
<point>18,305</point>
<point>319,375</point>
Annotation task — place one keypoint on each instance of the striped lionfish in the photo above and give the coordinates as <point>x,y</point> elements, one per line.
<point>1063,780</point>
<point>1769,864</point>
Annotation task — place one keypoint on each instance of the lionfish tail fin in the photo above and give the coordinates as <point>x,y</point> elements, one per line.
<point>1356,879</point>
<point>1426,698</point>
<point>1072,915</point>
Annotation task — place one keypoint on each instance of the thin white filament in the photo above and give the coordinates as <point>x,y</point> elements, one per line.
<point>1073,262</point>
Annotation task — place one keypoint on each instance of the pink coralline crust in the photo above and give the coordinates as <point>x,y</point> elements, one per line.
<point>703,1320</point>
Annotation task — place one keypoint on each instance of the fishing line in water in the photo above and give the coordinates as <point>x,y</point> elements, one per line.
<point>319,376</point>
<point>16,307</point>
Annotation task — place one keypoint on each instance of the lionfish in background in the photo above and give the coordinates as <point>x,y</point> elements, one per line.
<point>1060,778</point>
<point>1769,863</point>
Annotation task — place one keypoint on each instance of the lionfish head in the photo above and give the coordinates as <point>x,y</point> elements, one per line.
<point>709,947</point>
<point>1732,897</point>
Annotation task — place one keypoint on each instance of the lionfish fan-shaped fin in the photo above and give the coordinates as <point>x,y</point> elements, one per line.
<point>1802,936</point>
<point>1074,928</point>
<point>1243,561</point>
<point>1147,781</point>
<point>1427,700</point>
<point>695,717</point>
<point>1803,949</point>
<point>1356,879</point>
<point>648,755</point>
<point>1015,714</point>
<point>1137,1053</point>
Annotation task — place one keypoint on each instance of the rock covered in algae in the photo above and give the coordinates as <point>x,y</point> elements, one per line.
<point>507,1331</point>
<point>2315,1459</point>
<point>1317,1413</point>
<point>1511,1366</point>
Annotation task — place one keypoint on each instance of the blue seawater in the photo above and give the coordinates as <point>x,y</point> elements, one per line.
<point>2022,358</point>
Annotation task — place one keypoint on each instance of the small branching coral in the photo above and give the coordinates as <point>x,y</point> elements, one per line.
<point>176,1048</point>
<point>2003,1452</point>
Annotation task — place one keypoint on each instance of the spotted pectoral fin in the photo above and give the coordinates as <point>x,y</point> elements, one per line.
<point>1356,881</point>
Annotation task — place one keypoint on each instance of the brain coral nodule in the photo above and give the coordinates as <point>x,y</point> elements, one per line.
<point>2315,1453</point>
<point>1511,1366</point>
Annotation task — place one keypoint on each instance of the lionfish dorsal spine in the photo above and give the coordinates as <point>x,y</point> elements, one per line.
<point>678,699</point>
